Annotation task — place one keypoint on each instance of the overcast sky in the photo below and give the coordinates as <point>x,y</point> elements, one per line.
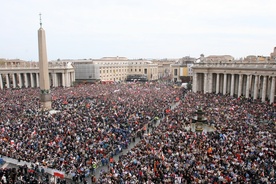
<point>77,29</point>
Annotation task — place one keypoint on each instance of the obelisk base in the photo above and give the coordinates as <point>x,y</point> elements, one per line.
<point>46,101</point>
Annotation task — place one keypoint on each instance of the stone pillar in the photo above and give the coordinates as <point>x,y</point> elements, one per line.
<point>256,87</point>
<point>268,87</point>
<point>217,84</point>
<point>67,80</point>
<point>72,80</point>
<point>63,79</point>
<point>194,82</point>
<point>37,80</point>
<point>13,81</point>
<point>232,85</point>
<point>7,81</point>
<point>205,83</point>
<point>240,85</point>
<point>210,83</point>
<point>54,76</point>
<point>32,80</point>
<point>73,77</point>
<point>26,80</point>
<point>264,88</point>
<point>247,86</point>
<point>19,80</point>
<point>56,79</point>
<point>1,82</point>
<point>272,90</point>
<point>224,83</point>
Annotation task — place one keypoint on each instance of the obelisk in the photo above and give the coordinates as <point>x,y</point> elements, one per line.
<point>45,93</point>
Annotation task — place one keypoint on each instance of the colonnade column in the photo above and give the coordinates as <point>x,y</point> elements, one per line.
<point>73,76</point>
<point>37,80</point>
<point>224,83</point>
<point>256,87</point>
<point>66,79</point>
<point>7,81</point>
<point>63,79</point>
<point>54,76</point>
<point>13,81</point>
<point>247,86</point>
<point>194,82</point>
<point>232,84</point>
<point>32,80</point>
<point>217,84</point>
<point>210,83</point>
<point>19,80</point>
<point>205,83</point>
<point>264,88</point>
<point>26,80</point>
<point>272,90</point>
<point>240,85</point>
<point>1,81</point>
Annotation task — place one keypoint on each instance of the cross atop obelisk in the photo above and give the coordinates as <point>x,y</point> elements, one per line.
<point>45,94</point>
<point>40,20</point>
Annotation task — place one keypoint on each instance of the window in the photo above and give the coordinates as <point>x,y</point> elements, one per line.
<point>175,71</point>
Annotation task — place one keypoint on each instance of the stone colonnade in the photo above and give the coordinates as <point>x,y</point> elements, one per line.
<point>255,86</point>
<point>19,79</point>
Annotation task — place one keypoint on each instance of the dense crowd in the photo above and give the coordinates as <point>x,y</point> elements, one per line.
<point>239,146</point>
<point>92,123</point>
<point>24,174</point>
<point>89,123</point>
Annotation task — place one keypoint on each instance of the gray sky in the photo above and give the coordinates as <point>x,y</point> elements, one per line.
<point>77,29</point>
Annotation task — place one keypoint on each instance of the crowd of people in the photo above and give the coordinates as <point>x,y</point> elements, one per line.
<point>24,174</point>
<point>88,123</point>
<point>239,146</point>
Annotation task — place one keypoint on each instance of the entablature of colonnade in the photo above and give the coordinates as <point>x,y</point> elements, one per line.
<point>13,70</point>
<point>33,70</point>
<point>269,69</point>
<point>60,70</point>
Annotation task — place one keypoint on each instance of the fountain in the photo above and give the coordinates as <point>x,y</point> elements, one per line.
<point>199,120</point>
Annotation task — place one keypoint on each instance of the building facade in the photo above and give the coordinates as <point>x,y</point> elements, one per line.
<point>182,70</point>
<point>115,69</point>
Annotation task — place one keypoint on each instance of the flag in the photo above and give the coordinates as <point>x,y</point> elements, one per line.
<point>58,174</point>
<point>155,167</point>
<point>162,156</point>
<point>210,150</point>
<point>34,133</point>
